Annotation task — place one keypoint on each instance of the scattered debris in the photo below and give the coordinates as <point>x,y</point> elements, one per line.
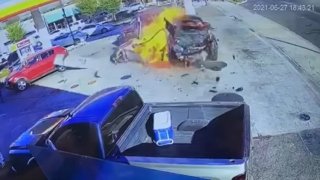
<point>236,18</point>
<point>214,87</point>
<point>125,77</point>
<point>234,57</point>
<point>180,89</point>
<point>92,82</point>
<point>239,89</point>
<point>213,91</point>
<point>137,80</point>
<point>232,72</point>
<point>74,86</point>
<point>304,117</point>
<point>184,75</point>
<point>203,69</point>
<point>195,83</point>
<point>217,40</point>
<point>218,79</point>
<point>96,75</point>
<point>252,30</point>
<point>232,87</point>
<point>62,81</point>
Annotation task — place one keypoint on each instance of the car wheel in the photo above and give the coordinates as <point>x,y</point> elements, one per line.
<point>77,41</point>
<point>21,84</point>
<point>61,68</point>
<point>104,30</point>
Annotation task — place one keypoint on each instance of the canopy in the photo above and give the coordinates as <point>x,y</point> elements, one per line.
<point>11,8</point>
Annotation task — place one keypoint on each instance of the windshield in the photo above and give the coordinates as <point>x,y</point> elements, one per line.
<point>46,125</point>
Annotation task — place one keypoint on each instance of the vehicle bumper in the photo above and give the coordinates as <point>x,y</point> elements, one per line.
<point>9,84</point>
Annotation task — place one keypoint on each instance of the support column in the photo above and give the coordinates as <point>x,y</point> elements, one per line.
<point>38,20</point>
<point>40,26</point>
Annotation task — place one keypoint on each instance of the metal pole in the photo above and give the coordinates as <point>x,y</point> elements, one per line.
<point>65,18</point>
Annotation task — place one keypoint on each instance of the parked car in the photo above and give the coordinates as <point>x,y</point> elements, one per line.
<point>188,38</point>
<point>66,39</point>
<point>136,6</point>
<point>203,139</point>
<point>35,67</point>
<point>102,31</point>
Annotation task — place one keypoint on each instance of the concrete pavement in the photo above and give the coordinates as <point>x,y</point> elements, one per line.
<point>274,89</point>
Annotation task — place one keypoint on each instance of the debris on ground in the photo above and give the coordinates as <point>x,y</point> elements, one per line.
<point>304,117</point>
<point>217,40</point>
<point>214,87</point>
<point>74,86</point>
<point>252,30</point>
<point>232,87</point>
<point>92,82</point>
<point>180,89</point>
<point>213,91</point>
<point>239,89</point>
<point>125,77</point>
<point>236,18</point>
<point>96,75</point>
<point>195,83</point>
<point>184,75</point>
<point>232,72</point>
<point>234,57</point>
<point>62,81</point>
<point>218,79</point>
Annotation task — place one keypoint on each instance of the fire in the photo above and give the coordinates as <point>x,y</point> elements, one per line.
<point>152,44</point>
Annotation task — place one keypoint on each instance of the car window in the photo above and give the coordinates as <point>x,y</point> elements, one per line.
<point>82,139</point>
<point>44,55</point>
<point>120,119</point>
<point>50,52</point>
<point>34,60</point>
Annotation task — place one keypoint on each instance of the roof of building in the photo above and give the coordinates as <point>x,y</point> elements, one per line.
<point>13,8</point>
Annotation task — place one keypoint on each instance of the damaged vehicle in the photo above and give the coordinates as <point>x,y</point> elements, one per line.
<point>191,40</point>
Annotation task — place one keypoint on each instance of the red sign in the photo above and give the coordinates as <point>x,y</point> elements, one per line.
<point>23,43</point>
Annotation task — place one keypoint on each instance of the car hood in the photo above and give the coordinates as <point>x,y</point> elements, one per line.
<point>192,38</point>
<point>40,129</point>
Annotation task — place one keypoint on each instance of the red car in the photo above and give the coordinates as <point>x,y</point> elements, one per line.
<point>35,67</point>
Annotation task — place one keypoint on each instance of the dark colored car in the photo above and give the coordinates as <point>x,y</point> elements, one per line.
<point>189,38</point>
<point>66,39</point>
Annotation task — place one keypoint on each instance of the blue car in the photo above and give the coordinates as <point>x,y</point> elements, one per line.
<point>66,39</point>
<point>115,124</point>
<point>99,31</point>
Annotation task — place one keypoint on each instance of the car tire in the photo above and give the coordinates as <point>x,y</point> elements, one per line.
<point>104,30</point>
<point>21,85</point>
<point>61,68</point>
<point>77,41</point>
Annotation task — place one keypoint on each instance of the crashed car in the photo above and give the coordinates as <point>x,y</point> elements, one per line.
<point>191,40</point>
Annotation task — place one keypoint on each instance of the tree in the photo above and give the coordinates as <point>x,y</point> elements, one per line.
<point>110,6</point>
<point>87,7</point>
<point>15,32</point>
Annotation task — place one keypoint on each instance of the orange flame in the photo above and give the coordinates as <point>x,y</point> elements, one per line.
<point>152,44</point>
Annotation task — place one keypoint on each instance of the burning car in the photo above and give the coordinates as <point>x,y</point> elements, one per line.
<point>191,40</point>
